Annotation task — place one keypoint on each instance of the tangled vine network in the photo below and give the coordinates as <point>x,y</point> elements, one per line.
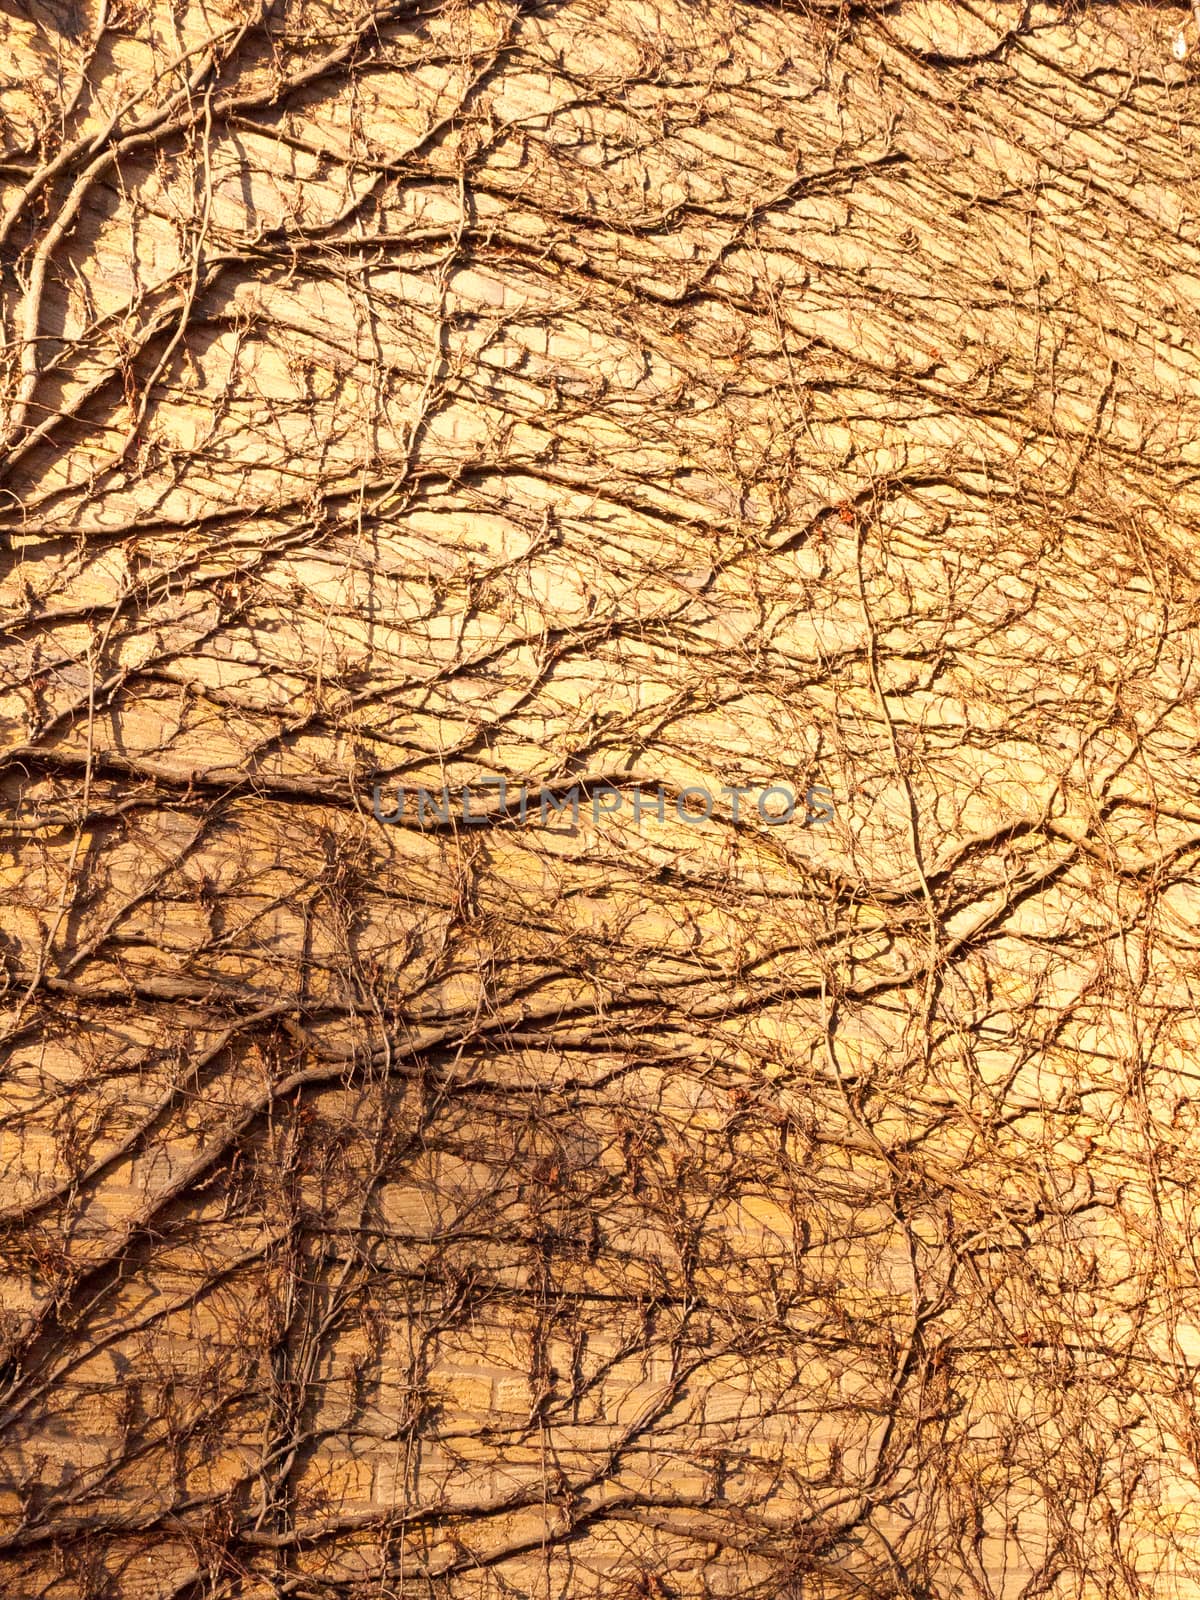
<point>686,394</point>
